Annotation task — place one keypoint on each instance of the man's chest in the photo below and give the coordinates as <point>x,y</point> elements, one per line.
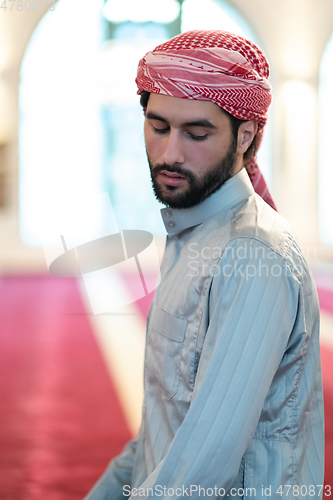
<point>179,316</point>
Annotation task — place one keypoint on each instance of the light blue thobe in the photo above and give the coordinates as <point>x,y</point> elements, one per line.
<point>233,391</point>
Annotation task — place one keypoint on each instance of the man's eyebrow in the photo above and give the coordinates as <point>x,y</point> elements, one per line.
<point>193,123</point>
<point>199,123</point>
<point>153,116</point>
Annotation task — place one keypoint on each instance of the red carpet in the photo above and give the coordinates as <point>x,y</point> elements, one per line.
<point>60,418</point>
<point>327,366</point>
<point>326,304</point>
<point>326,299</point>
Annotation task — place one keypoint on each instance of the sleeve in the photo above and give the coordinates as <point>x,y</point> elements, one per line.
<point>253,307</point>
<point>115,483</point>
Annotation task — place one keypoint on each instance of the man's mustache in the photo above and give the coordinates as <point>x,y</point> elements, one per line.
<point>157,169</point>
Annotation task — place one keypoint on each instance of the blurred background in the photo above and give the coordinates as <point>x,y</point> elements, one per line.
<point>71,127</point>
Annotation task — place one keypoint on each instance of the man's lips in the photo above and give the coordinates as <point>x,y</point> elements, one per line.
<point>171,174</point>
<point>171,178</point>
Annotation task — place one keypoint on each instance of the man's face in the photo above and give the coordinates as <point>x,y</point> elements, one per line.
<point>190,148</point>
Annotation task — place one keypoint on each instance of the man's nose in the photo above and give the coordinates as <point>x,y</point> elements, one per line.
<point>174,148</point>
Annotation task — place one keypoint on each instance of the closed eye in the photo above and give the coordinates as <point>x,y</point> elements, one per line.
<point>197,137</point>
<point>161,130</point>
<point>193,137</point>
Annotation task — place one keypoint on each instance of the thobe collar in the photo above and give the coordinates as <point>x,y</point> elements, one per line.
<point>232,192</point>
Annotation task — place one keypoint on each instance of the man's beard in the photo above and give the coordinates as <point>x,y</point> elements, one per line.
<point>199,189</point>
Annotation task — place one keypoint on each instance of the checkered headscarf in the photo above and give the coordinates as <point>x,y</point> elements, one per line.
<point>217,66</point>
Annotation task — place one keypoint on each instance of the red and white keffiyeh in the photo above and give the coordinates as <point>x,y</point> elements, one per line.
<point>217,66</point>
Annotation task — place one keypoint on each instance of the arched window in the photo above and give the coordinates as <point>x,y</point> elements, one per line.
<point>60,135</point>
<point>325,203</point>
<point>81,122</point>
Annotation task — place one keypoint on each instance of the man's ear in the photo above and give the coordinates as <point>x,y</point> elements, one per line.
<point>144,111</point>
<point>246,133</point>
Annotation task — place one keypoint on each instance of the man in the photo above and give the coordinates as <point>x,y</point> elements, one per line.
<point>233,394</point>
